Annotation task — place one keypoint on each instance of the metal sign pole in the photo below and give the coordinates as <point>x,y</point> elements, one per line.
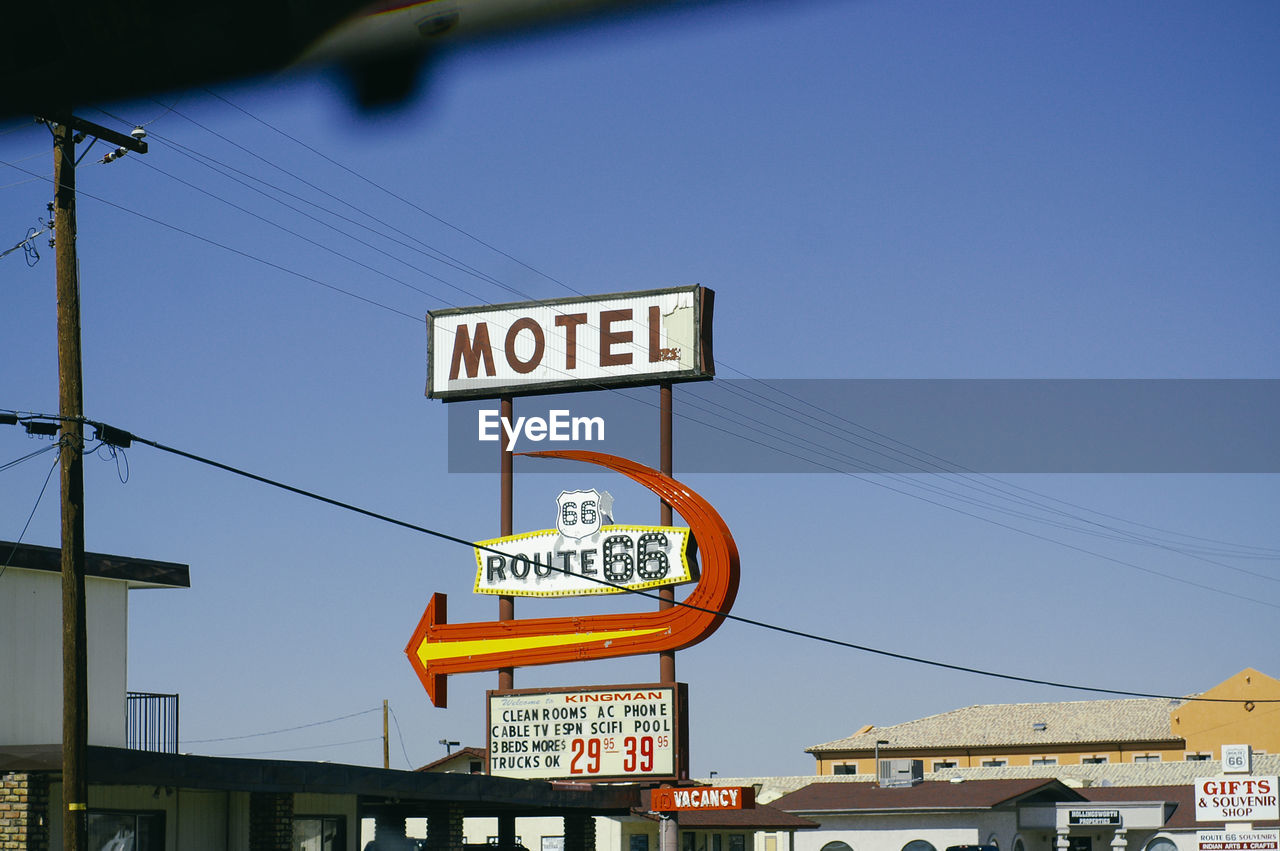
<point>667,594</point>
<point>506,603</point>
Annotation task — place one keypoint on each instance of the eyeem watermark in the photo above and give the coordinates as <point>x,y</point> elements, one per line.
<point>559,426</point>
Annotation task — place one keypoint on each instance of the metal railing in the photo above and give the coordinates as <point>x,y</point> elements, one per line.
<point>152,722</point>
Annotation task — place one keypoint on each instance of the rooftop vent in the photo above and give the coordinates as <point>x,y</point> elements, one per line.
<point>1039,726</point>
<point>901,772</point>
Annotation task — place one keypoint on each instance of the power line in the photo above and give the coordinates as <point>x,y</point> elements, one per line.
<point>238,252</point>
<point>774,448</point>
<point>1072,520</point>
<point>307,747</point>
<point>57,458</point>
<point>282,730</point>
<point>1003,491</point>
<point>396,196</point>
<point>726,615</point>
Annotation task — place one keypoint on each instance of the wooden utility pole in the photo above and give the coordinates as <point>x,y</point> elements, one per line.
<point>386,738</point>
<point>75,654</point>
<point>75,688</point>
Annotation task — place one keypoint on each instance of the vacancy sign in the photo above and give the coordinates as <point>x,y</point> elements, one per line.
<point>1237,798</point>
<point>702,798</point>
<point>1239,840</point>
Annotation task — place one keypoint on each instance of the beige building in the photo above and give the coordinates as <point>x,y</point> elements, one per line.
<point>1085,732</point>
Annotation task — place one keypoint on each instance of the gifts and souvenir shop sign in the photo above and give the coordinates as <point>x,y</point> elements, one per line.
<point>589,733</point>
<point>562,345</point>
<point>585,554</point>
<point>1236,798</point>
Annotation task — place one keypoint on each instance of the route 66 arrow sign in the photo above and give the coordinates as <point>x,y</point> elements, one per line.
<point>439,648</point>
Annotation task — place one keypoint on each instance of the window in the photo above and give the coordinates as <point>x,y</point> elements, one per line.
<point>639,842</point>
<point>1045,760</point>
<point>1018,844</point>
<point>1196,757</point>
<point>1095,760</point>
<point>738,842</point>
<point>1146,757</point>
<point>315,833</point>
<point>1161,843</point>
<point>846,768</point>
<point>918,845</point>
<point>938,765</point>
<point>994,763</point>
<point>836,846</point>
<point>141,831</point>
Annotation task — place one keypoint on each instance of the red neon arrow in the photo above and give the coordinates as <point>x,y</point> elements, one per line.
<point>439,648</point>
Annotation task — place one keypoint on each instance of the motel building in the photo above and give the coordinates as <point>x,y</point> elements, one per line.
<point>143,794</point>
<point>1144,731</point>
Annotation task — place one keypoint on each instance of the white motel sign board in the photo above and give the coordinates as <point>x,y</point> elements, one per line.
<point>1237,798</point>
<point>562,345</point>
<point>586,733</point>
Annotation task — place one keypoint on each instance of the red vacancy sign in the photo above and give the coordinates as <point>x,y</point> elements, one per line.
<point>702,798</point>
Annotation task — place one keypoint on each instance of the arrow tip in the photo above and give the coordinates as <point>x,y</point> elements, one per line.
<point>436,684</point>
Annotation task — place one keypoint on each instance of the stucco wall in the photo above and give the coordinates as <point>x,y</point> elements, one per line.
<point>31,658</point>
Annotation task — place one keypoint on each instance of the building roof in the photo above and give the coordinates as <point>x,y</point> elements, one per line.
<point>138,572</point>
<point>457,761</point>
<point>1127,774</point>
<point>931,794</point>
<point>475,794</point>
<point>1020,725</point>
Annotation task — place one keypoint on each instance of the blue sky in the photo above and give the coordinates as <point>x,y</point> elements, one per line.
<point>874,190</point>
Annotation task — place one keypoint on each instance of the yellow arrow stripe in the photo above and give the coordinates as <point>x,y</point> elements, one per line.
<point>436,650</point>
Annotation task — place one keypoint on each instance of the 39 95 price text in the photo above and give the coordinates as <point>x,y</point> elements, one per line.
<point>637,753</point>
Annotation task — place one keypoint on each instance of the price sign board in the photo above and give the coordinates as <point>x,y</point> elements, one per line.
<point>590,733</point>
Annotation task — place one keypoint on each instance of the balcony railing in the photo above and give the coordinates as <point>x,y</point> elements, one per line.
<point>152,722</point>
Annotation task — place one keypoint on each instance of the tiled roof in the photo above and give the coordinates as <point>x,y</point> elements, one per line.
<point>1021,724</point>
<point>1115,775</point>
<point>461,757</point>
<point>934,794</point>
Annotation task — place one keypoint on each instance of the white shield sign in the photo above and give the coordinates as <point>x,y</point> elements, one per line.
<point>580,514</point>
